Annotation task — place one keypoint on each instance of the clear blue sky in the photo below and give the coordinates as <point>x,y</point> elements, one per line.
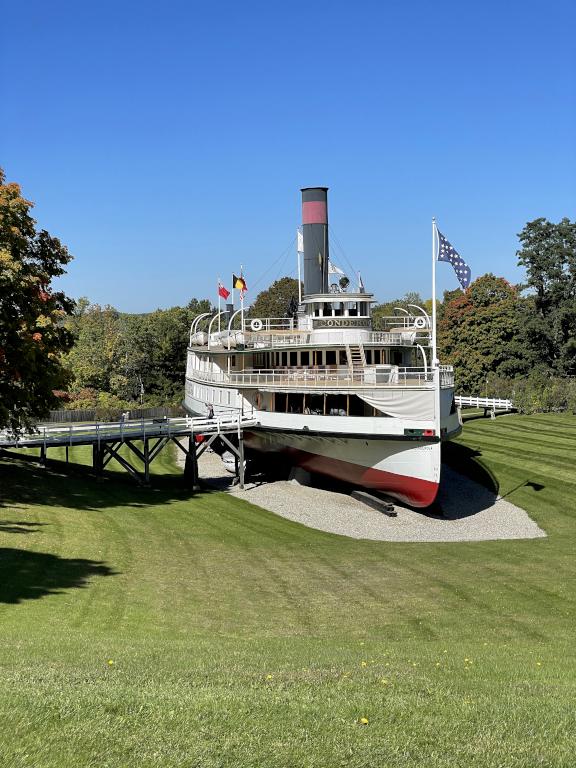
<point>165,143</point>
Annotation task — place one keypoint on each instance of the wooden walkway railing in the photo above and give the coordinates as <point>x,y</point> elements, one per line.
<point>107,438</point>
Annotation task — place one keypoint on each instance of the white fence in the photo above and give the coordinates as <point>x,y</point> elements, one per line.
<point>489,403</point>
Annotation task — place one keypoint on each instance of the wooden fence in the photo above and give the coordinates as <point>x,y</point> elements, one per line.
<point>66,416</point>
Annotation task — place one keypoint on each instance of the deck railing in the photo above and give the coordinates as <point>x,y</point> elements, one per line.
<point>327,378</point>
<point>282,339</point>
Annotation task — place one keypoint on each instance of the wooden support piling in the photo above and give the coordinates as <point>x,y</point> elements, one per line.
<point>191,466</point>
<point>241,460</point>
<point>146,461</point>
<point>97,459</point>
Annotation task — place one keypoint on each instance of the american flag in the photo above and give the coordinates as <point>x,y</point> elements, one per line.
<point>447,252</point>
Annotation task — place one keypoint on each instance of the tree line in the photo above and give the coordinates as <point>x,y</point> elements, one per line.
<point>121,360</point>
<point>502,339</point>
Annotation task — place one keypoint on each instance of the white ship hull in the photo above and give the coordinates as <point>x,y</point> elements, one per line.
<point>350,450</point>
<point>407,470</point>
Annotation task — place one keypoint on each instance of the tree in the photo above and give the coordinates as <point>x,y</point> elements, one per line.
<point>120,354</point>
<point>387,309</point>
<point>276,300</point>
<point>479,334</point>
<point>549,322</point>
<point>96,356</point>
<point>32,332</point>
<point>446,299</point>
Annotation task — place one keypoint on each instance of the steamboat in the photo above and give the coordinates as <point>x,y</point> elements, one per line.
<point>367,406</point>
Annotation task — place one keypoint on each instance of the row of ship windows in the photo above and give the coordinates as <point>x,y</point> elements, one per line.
<point>318,405</point>
<point>293,402</point>
<point>340,308</point>
<point>213,395</point>
<point>323,357</point>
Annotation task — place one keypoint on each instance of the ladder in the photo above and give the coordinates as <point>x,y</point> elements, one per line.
<point>356,358</point>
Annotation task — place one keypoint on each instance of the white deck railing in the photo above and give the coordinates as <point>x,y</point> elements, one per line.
<point>282,339</point>
<point>326,378</point>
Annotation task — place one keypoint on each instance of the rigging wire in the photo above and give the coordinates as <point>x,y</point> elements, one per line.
<point>334,239</point>
<point>282,258</point>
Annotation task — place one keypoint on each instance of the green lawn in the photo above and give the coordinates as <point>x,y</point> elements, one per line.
<point>148,627</point>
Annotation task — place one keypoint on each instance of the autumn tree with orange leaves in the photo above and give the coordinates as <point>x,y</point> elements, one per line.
<point>479,333</point>
<point>32,332</point>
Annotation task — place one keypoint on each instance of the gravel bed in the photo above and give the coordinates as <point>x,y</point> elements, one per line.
<point>470,512</point>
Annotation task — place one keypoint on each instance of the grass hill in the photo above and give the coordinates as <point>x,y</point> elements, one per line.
<point>149,627</point>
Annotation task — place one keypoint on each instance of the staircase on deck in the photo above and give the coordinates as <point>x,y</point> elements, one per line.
<point>356,359</point>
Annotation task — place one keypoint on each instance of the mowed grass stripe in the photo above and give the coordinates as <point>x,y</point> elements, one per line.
<point>537,460</point>
<point>544,436</point>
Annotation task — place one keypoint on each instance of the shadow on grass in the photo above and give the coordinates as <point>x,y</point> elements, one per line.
<point>481,415</point>
<point>24,481</point>
<point>467,461</point>
<point>19,526</point>
<point>28,575</point>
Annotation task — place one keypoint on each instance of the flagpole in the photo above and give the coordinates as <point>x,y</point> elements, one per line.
<point>434,352</point>
<point>299,242</point>
<point>435,363</point>
<point>299,277</point>
<point>242,301</point>
<point>219,305</point>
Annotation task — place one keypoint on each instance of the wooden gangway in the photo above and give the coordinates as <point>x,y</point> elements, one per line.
<point>106,439</point>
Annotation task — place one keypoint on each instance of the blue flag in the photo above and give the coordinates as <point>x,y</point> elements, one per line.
<point>447,252</point>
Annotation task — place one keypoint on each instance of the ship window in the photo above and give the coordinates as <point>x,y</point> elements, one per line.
<point>338,311</point>
<point>331,357</point>
<point>369,357</point>
<point>314,405</point>
<point>317,357</point>
<point>363,308</point>
<point>293,358</point>
<point>352,309</point>
<point>280,402</point>
<point>336,405</point>
<point>295,402</point>
<point>396,357</point>
<point>284,359</point>
<point>304,358</point>
<point>233,361</point>
<point>342,355</point>
<point>356,406</point>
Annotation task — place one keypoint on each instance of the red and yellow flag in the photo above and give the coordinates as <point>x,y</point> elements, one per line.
<point>239,283</point>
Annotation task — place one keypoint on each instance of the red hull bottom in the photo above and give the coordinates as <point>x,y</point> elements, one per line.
<point>411,490</point>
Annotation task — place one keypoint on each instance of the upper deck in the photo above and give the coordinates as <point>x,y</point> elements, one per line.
<point>311,331</point>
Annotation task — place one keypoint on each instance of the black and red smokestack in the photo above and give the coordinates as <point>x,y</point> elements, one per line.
<point>315,234</point>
